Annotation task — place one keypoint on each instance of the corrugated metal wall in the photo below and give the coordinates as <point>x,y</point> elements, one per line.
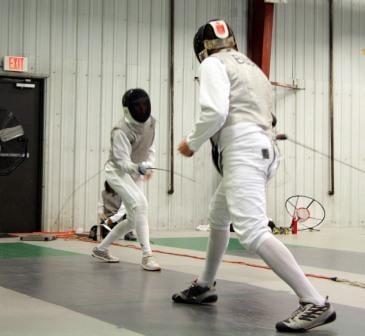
<point>301,53</point>
<point>92,51</point>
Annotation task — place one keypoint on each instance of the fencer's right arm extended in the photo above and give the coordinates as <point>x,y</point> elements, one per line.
<point>214,102</point>
<point>122,150</point>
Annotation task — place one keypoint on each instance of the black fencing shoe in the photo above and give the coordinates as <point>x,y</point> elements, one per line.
<point>196,294</point>
<point>306,317</point>
<point>130,236</point>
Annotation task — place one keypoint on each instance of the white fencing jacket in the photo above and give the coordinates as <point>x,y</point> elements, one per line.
<point>235,99</point>
<point>132,143</point>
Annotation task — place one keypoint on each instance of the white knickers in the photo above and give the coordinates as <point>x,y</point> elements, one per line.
<point>248,162</point>
<point>129,189</point>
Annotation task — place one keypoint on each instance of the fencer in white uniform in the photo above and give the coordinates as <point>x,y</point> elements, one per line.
<point>130,161</point>
<point>236,115</point>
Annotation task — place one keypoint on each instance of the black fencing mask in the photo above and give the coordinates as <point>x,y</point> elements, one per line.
<point>212,36</point>
<point>138,104</point>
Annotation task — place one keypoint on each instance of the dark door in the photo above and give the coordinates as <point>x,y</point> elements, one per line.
<point>21,191</point>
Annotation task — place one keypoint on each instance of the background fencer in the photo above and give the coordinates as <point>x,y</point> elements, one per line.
<point>131,157</point>
<point>236,105</point>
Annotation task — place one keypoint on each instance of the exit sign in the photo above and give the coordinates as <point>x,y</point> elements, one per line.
<point>15,63</point>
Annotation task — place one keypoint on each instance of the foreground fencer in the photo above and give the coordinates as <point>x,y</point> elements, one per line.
<point>131,157</point>
<point>236,105</point>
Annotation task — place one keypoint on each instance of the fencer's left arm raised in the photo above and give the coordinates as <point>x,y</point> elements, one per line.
<point>214,102</point>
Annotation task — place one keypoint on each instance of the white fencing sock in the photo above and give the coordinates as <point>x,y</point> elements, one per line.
<point>143,233</point>
<point>119,230</point>
<point>217,245</point>
<point>282,262</point>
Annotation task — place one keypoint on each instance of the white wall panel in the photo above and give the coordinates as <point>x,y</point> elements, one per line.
<point>92,51</point>
<point>301,53</point>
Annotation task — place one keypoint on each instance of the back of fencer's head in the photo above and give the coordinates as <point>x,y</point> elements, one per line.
<point>212,37</point>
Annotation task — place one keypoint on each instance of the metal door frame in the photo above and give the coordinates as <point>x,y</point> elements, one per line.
<point>13,77</point>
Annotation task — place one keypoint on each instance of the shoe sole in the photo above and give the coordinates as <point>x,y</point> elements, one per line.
<point>329,319</point>
<point>207,300</point>
<point>151,269</point>
<point>286,329</point>
<point>105,260</point>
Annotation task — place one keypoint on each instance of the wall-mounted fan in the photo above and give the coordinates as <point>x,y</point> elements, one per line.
<point>13,143</point>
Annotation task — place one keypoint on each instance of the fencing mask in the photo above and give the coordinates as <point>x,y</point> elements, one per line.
<point>137,104</point>
<point>214,35</point>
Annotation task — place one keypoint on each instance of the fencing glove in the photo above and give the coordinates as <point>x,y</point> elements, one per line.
<point>144,168</point>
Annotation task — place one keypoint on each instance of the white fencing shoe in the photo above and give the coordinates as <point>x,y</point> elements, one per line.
<point>149,263</point>
<point>104,255</point>
<point>307,316</point>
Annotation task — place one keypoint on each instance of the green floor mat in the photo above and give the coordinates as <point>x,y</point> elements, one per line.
<point>194,243</point>
<point>22,250</point>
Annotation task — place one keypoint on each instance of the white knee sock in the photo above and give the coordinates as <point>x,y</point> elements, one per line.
<point>282,262</point>
<point>143,233</point>
<point>217,245</point>
<point>119,230</point>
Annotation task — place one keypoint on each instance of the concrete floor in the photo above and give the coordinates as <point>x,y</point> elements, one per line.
<point>56,288</point>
